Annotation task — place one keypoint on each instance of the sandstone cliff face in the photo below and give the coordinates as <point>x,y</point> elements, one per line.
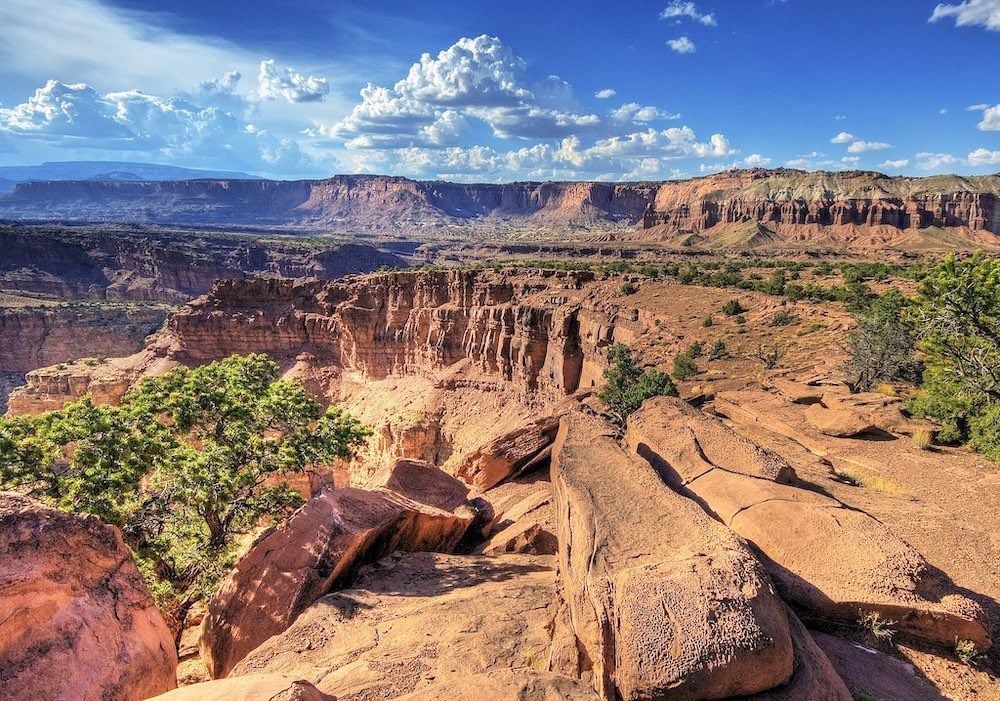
<point>791,202</point>
<point>142,264</point>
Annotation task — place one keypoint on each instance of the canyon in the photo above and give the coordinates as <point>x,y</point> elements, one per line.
<point>752,207</point>
<point>536,529</point>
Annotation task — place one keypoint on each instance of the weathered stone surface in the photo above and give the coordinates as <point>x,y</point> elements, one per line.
<point>688,616</point>
<point>508,453</point>
<point>252,687</point>
<point>836,562</point>
<point>76,620</point>
<point>415,621</point>
<point>320,548</point>
<point>814,677</point>
<point>521,518</point>
<point>838,423</point>
<point>523,685</point>
<point>701,443</point>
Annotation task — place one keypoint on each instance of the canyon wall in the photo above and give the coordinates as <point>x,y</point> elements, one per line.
<point>127,263</point>
<point>781,200</point>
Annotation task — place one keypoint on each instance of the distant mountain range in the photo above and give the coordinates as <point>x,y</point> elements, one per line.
<point>108,171</point>
<point>733,209</point>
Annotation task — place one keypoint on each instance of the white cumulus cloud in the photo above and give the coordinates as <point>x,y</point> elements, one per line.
<point>682,45</point>
<point>991,117</point>
<point>894,165</point>
<point>605,93</point>
<point>983,157</point>
<point>842,138</point>
<point>687,10</point>
<point>172,129</point>
<point>274,82</point>
<point>866,146</point>
<point>985,13</point>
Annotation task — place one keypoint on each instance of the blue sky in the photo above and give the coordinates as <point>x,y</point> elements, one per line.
<point>488,91</point>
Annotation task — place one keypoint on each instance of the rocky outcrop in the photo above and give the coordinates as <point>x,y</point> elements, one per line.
<point>76,619</point>
<point>692,616</point>
<point>790,201</point>
<point>252,687</point>
<point>321,547</point>
<point>507,454</point>
<point>415,622</point>
<point>836,562</point>
<point>522,518</point>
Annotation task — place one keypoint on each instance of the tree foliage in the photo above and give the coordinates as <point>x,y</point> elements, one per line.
<point>186,464</point>
<point>958,321</point>
<point>881,349</point>
<point>627,386</point>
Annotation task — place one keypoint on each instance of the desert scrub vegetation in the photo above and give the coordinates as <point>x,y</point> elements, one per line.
<point>627,386</point>
<point>882,348</point>
<point>881,629</point>
<point>186,465</point>
<point>967,653</point>
<point>733,308</point>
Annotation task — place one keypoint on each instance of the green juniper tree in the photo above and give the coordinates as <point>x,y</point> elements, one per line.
<point>627,386</point>
<point>186,464</point>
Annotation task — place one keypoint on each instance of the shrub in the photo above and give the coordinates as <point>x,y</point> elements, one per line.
<point>695,350</point>
<point>732,308</point>
<point>708,321</point>
<point>782,318</point>
<point>879,628</point>
<point>627,387</point>
<point>684,367</point>
<point>740,319</point>
<point>966,652</point>
<point>770,355</point>
<point>629,289</point>
<point>719,351</point>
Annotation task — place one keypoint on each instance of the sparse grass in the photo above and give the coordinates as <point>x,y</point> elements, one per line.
<point>966,652</point>
<point>863,696</point>
<point>923,438</point>
<point>814,327</point>
<point>881,629</point>
<point>740,319</point>
<point>876,483</point>
<point>887,389</point>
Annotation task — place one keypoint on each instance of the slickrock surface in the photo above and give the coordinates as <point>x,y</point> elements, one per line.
<point>523,685</point>
<point>76,620</point>
<point>835,562</point>
<point>505,455</point>
<point>321,547</point>
<point>413,622</point>
<point>691,616</point>
<point>253,687</point>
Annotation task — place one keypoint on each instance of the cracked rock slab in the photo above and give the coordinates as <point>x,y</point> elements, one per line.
<point>665,603</point>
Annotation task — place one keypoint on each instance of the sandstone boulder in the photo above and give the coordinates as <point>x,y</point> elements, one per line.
<point>321,547</point>
<point>523,520</point>
<point>814,677</point>
<point>415,621</point>
<point>664,602</point>
<point>838,423</point>
<point>253,687</point>
<point>508,454</point>
<point>76,619</point>
<point>838,563</point>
